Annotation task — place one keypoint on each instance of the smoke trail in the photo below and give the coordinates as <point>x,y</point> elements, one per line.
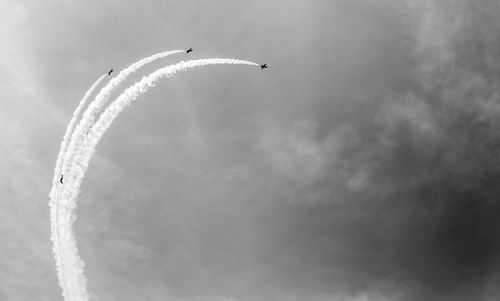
<point>57,172</point>
<point>71,127</point>
<point>72,265</point>
<point>141,87</point>
<point>62,162</point>
<point>100,100</point>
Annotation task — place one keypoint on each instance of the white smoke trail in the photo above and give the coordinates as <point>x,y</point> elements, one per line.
<point>71,127</point>
<point>72,265</point>
<point>100,100</point>
<point>131,94</point>
<point>57,172</point>
<point>68,146</point>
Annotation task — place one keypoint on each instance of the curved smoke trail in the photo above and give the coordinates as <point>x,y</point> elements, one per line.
<point>71,263</point>
<point>71,127</point>
<point>100,100</point>
<point>57,171</point>
<point>68,146</point>
<point>141,87</point>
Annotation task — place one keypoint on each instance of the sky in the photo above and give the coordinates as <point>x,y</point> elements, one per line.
<point>362,165</point>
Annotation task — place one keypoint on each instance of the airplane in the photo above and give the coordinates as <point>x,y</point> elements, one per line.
<point>109,73</point>
<point>189,50</point>
<point>263,66</point>
<point>60,180</point>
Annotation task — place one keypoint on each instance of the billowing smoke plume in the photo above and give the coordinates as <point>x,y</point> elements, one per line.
<point>70,266</point>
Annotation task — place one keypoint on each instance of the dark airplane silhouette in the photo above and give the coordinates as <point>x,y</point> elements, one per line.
<point>109,73</point>
<point>60,180</point>
<point>189,50</point>
<point>263,66</point>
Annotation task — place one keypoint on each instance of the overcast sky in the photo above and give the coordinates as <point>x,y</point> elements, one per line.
<point>363,165</point>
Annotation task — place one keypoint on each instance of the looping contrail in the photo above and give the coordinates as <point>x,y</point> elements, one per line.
<point>75,162</point>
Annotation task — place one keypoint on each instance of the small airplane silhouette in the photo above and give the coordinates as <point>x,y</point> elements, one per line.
<point>189,50</point>
<point>109,73</point>
<point>60,180</point>
<point>263,66</point>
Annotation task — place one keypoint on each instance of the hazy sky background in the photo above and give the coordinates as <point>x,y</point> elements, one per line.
<point>362,165</point>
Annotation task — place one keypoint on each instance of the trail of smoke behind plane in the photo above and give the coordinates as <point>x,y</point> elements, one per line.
<point>69,144</point>
<point>57,172</point>
<point>72,265</point>
<point>100,100</point>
